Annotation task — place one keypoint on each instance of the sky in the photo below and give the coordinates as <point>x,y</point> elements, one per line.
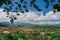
<point>49,19</point>
<point>41,5</point>
<point>31,17</point>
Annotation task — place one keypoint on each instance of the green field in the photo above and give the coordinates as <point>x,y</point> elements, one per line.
<point>32,32</point>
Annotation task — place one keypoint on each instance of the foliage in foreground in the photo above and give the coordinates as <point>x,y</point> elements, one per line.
<point>32,34</point>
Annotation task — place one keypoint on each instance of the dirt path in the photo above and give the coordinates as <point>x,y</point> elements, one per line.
<point>11,30</point>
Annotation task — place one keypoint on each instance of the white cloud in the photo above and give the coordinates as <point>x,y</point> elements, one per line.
<point>33,18</point>
<point>3,16</point>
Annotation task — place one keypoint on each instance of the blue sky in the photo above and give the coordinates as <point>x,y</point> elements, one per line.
<point>41,4</point>
<point>31,17</point>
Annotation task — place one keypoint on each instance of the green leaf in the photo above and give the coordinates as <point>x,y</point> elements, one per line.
<point>22,1</point>
<point>31,2</point>
<point>26,10</point>
<point>31,5</point>
<point>35,6</point>
<point>47,5</point>
<point>4,10</point>
<point>39,10</point>
<point>58,1</point>
<point>10,7</point>
<point>16,2</point>
<point>56,6</point>
<point>52,0</point>
<point>25,2</point>
<point>18,14</point>
<point>7,13</point>
<point>24,6</point>
<point>14,18</point>
<point>11,20</point>
<point>9,2</point>
<point>45,0</point>
<point>34,0</point>
<point>1,4</point>
<point>22,11</point>
<point>19,5</point>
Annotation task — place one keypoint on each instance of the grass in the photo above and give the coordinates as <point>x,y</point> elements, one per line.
<point>31,32</point>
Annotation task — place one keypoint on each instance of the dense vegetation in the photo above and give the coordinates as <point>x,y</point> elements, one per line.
<point>33,32</point>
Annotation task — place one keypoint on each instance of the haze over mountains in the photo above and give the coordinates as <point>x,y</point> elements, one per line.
<point>32,17</point>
